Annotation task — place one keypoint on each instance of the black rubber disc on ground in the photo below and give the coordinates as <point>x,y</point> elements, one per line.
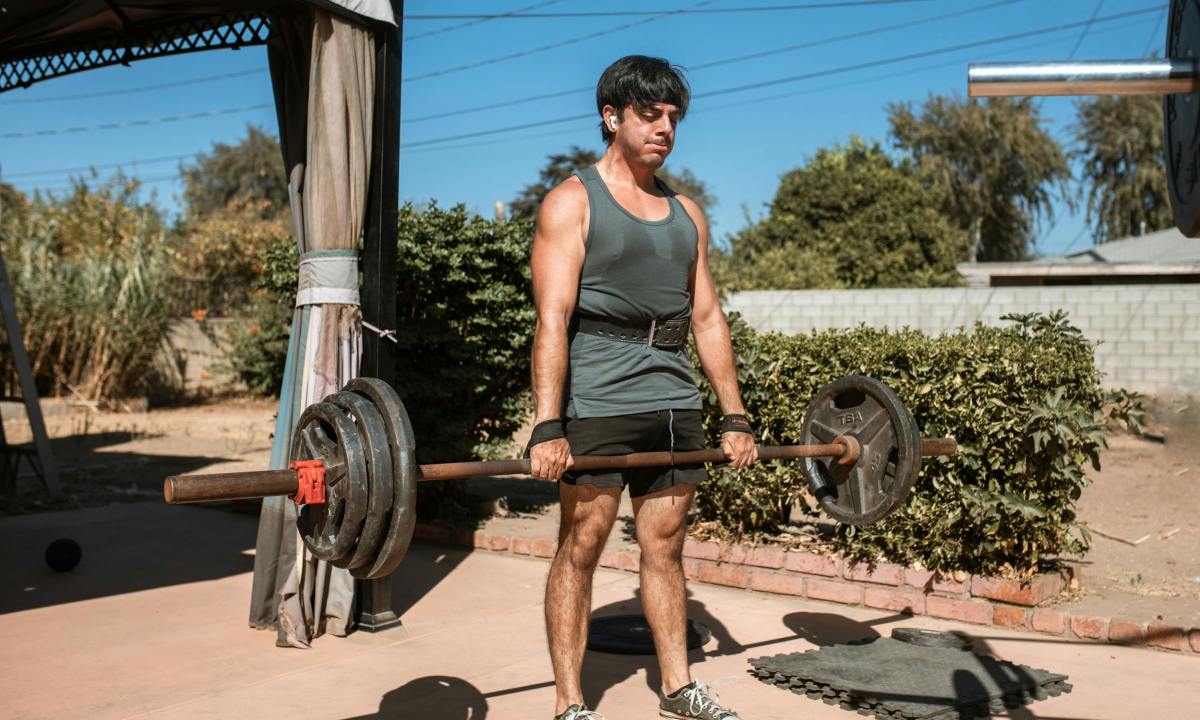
<point>379,471</point>
<point>630,635</point>
<point>63,554</point>
<point>932,638</point>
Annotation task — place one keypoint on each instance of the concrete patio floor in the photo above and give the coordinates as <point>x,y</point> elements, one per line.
<point>152,624</point>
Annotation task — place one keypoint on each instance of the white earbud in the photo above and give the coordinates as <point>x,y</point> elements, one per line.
<point>612,121</point>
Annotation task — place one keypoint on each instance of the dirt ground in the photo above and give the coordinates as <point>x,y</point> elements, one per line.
<point>1143,506</point>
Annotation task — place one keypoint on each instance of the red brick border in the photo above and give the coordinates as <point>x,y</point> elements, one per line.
<point>979,600</point>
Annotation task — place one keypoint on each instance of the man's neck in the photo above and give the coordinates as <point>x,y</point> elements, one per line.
<point>616,168</point>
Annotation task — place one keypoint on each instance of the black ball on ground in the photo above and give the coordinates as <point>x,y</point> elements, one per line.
<point>63,554</point>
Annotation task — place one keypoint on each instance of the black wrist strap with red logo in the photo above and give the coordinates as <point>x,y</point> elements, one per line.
<point>736,423</point>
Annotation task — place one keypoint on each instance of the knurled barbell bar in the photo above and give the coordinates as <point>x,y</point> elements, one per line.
<point>353,470</point>
<point>1176,78</point>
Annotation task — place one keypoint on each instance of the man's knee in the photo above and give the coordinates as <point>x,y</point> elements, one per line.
<point>581,547</point>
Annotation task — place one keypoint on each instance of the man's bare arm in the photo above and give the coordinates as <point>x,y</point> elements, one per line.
<point>557,261</point>
<point>713,343</point>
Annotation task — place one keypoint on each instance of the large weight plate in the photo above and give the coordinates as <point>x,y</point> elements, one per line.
<point>880,480</point>
<point>404,476</point>
<point>1181,121</point>
<point>630,635</point>
<point>332,529</point>
<point>379,472</point>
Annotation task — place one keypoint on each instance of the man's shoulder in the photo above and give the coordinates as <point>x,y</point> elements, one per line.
<point>693,209</point>
<point>569,196</point>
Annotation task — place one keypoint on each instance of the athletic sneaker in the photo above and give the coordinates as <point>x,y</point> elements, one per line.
<point>694,702</point>
<point>579,712</point>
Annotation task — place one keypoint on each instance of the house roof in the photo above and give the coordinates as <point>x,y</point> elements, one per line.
<point>1165,247</point>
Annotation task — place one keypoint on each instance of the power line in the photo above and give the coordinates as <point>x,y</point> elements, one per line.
<point>1154,33</point>
<point>86,168</point>
<point>553,46</point>
<point>72,185</point>
<point>521,15</point>
<point>134,123</point>
<point>459,26</point>
<point>729,60</point>
<point>773,97</point>
<point>133,90</point>
<point>1086,28</point>
<point>821,73</point>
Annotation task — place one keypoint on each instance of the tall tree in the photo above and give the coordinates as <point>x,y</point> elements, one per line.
<point>1000,170</point>
<point>250,170</point>
<point>1119,139</point>
<point>561,166</point>
<point>852,217</point>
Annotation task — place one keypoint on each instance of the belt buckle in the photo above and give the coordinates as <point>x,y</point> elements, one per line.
<point>650,339</point>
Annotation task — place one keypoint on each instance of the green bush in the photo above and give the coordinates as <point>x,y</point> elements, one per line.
<point>464,335</point>
<point>1024,402</point>
<point>465,329</point>
<point>257,349</point>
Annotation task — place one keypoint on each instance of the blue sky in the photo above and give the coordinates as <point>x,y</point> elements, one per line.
<point>739,142</point>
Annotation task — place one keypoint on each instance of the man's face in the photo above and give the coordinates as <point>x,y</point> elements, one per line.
<point>645,135</point>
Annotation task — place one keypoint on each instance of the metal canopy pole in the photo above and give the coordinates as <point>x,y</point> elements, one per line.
<point>374,597</point>
<point>1100,77</point>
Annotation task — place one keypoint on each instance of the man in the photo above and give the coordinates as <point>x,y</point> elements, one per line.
<point>619,268</point>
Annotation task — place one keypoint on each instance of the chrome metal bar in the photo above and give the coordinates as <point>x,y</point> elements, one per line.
<point>1101,77</point>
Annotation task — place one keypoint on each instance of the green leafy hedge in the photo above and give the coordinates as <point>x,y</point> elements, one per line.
<point>1024,402</point>
<point>465,317</point>
<point>465,326</point>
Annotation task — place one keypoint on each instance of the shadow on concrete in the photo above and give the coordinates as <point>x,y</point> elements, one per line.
<point>425,565</point>
<point>602,671</point>
<point>436,696</point>
<point>126,548</point>
<point>90,477</point>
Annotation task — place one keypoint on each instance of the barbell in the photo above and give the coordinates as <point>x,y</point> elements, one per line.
<point>1176,77</point>
<point>353,470</point>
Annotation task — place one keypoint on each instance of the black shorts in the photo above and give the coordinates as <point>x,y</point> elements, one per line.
<point>642,432</point>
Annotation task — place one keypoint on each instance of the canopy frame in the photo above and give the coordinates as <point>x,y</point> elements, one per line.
<point>24,63</point>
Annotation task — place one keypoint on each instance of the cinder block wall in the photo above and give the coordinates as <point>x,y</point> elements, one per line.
<point>1149,335</point>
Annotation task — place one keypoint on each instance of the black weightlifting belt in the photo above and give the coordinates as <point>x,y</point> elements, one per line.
<point>663,334</point>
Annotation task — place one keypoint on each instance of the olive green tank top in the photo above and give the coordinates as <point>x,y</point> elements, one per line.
<point>634,271</point>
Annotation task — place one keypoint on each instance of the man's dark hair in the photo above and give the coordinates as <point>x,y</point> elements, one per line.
<point>640,81</point>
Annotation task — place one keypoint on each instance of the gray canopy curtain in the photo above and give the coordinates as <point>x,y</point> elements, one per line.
<point>323,72</point>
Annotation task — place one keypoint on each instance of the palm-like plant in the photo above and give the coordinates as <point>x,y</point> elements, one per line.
<point>1120,143</point>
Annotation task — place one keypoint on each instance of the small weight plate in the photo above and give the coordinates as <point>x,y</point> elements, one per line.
<point>330,530</point>
<point>932,638</point>
<point>1181,121</point>
<point>630,635</point>
<point>404,476</point>
<point>880,480</point>
<point>379,471</point>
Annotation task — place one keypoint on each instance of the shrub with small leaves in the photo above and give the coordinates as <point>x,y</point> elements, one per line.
<point>1024,402</point>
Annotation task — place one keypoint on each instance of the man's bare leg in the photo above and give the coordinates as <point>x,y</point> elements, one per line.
<point>588,513</point>
<point>661,521</point>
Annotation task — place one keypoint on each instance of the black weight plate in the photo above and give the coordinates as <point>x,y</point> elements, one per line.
<point>630,635</point>
<point>932,638</point>
<point>330,530</point>
<point>1181,121</point>
<point>379,471</point>
<point>404,476</point>
<point>881,479</point>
